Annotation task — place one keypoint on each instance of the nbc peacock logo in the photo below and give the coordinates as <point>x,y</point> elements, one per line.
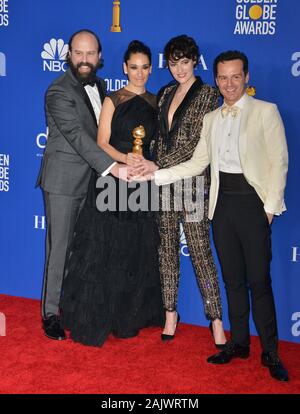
<point>54,56</point>
<point>255,17</point>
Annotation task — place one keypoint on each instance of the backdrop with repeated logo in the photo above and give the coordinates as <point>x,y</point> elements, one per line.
<point>33,38</point>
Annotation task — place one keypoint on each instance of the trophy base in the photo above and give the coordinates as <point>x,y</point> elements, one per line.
<point>116,29</point>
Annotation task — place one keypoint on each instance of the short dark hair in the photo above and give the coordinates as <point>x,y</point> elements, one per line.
<point>180,47</point>
<point>136,46</point>
<point>231,55</point>
<point>85,31</point>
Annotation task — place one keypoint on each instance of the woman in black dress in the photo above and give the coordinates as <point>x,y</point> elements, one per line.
<point>112,283</point>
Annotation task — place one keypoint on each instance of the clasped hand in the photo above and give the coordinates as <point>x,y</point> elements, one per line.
<point>135,168</point>
<point>140,168</point>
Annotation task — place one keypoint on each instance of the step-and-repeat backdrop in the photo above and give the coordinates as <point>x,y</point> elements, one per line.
<point>33,43</point>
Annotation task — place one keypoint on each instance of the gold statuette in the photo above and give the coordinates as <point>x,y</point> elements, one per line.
<point>116,17</point>
<point>138,134</point>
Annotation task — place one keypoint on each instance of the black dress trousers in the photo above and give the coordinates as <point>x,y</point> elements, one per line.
<point>242,237</point>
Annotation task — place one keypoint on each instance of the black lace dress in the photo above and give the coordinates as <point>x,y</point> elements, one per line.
<point>112,282</point>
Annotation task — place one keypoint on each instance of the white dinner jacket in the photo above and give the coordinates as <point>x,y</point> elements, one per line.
<point>262,150</point>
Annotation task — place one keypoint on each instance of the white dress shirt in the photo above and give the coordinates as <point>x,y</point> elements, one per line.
<point>228,129</point>
<point>95,100</point>
<point>94,97</point>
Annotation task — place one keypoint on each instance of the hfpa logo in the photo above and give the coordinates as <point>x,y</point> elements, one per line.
<point>2,64</point>
<point>54,56</point>
<point>202,65</point>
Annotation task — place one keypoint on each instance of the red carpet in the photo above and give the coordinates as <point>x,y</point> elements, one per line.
<point>31,363</point>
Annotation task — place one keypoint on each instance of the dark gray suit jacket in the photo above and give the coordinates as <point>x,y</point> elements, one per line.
<point>71,151</point>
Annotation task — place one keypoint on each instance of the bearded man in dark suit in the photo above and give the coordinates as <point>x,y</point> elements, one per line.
<point>73,105</point>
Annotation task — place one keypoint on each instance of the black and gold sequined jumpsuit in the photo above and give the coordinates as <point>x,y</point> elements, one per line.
<point>173,146</point>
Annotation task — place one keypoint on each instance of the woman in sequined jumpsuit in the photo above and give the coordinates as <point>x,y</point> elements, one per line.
<point>182,107</point>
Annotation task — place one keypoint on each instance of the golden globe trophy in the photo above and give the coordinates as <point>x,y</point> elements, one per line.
<point>138,134</point>
<point>116,17</point>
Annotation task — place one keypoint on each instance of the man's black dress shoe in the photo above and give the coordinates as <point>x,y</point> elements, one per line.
<point>52,328</point>
<point>276,368</point>
<point>231,351</point>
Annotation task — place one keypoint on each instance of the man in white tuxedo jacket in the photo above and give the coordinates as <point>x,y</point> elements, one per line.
<point>244,143</point>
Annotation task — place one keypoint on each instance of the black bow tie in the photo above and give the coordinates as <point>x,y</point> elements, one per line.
<point>91,83</point>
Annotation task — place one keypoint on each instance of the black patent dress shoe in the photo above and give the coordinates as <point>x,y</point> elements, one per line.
<point>231,351</point>
<point>166,337</point>
<point>218,346</point>
<point>276,368</point>
<point>53,329</point>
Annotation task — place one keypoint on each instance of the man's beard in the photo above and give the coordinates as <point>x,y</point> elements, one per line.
<point>84,77</point>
